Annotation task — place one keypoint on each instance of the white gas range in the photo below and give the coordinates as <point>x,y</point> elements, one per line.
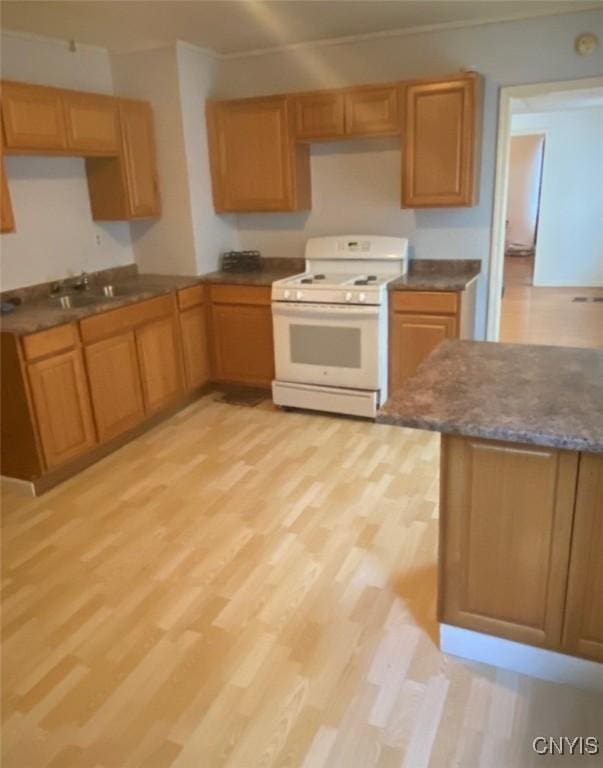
<point>330,325</point>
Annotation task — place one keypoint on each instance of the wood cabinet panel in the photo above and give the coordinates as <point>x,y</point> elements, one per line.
<point>506,521</point>
<point>49,342</point>
<point>412,339</point>
<point>372,111</point>
<point>33,117</point>
<point>319,115</point>
<point>195,346</point>
<point>125,187</point>
<point>438,302</point>
<point>7,218</point>
<point>440,143</point>
<point>255,163</point>
<point>240,294</point>
<point>583,632</point>
<point>61,403</point>
<point>243,350</point>
<point>91,122</point>
<point>115,385</point>
<point>122,319</point>
<point>191,297</point>
<point>160,362</point>
<point>138,145</point>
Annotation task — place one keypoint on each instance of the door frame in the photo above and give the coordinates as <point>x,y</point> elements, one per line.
<point>501,185</point>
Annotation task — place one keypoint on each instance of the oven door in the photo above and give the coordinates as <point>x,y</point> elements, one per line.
<point>332,344</point>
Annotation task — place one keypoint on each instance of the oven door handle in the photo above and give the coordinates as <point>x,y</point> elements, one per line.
<point>335,311</point>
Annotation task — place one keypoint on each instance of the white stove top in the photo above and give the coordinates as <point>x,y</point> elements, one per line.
<point>345,270</point>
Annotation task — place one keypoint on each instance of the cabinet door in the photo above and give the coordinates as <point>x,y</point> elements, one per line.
<point>242,344</point>
<point>33,117</point>
<point>160,363</point>
<point>7,219</point>
<point>91,122</point>
<point>61,403</point>
<point>193,330</point>
<point>583,634</point>
<point>319,115</point>
<point>372,111</point>
<point>253,156</point>
<point>506,524</point>
<point>138,147</point>
<point>439,138</point>
<point>412,339</point>
<point>115,384</point>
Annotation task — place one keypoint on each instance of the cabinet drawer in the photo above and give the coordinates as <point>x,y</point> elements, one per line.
<point>50,342</point>
<point>442,302</point>
<point>191,297</point>
<point>240,294</point>
<point>119,320</point>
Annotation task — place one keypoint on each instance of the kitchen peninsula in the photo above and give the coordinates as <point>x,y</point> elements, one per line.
<point>520,569</point>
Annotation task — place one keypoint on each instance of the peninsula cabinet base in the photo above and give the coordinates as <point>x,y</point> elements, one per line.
<point>521,544</point>
<point>525,659</point>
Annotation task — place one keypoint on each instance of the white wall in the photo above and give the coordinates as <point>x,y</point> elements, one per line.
<point>165,245</point>
<point>525,165</point>
<point>212,234</point>
<point>359,184</point>
<point>56,235</point>
<point>569,248</point>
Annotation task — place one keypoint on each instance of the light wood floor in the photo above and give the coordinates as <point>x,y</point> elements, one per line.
<point>532,315</point>
<point>248,588</point>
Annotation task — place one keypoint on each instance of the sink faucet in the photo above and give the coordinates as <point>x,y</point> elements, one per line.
<point>57,287</point>
<point>82,283</point>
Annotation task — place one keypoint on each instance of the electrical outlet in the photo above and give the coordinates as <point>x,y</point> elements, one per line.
<point>98,239</point>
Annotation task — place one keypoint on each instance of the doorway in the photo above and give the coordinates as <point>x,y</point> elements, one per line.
<point>546,269</point>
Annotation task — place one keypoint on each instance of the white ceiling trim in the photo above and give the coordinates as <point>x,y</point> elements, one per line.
<point>61,42</point>
<point>563,10</point>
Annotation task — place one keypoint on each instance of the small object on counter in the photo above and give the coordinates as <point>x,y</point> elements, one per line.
<point>241,261</point>
<point>9,305</point>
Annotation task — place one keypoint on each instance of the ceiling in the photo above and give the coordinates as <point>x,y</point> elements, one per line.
<point>230,27</point>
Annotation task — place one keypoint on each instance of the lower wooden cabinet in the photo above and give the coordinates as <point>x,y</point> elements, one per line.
<point>419,321</point>
<point>115,384</point>
<point>160,366</point>
<point>413,338</point>
<point>242,341</point>
<point>194,333</point>
<point>583,633</point>
<point>61,403</point>
<point>506,526</point>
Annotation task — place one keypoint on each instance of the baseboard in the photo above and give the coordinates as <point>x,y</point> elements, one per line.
<point>517,657</point>
<point>20,487</point>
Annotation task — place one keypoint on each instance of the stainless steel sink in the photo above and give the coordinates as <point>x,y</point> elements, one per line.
<point>72,300</point>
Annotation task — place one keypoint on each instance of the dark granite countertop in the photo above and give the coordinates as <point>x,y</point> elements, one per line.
<point>39,315</point>
<point>437,275</point>
<point>261,277</point>
<point>551,396</point>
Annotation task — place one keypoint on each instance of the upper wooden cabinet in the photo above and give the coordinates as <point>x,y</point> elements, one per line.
<point>583,633</point>
<point>256,164</point>
<point>91,122</point>
<point>372,111</point>
<point>364,111</point>
<point>126,187</point>
<point>7,219</point>
<point>440,140</point>
<point>33,117</point>
<point>320,115</point>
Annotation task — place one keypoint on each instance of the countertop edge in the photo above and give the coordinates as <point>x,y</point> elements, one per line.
<point>501,434</point>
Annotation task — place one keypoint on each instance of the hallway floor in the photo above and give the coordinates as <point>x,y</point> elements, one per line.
<point>532,315</point>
